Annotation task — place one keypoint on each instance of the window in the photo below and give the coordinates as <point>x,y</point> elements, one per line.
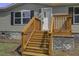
<point>20,18</point>
<point>76,10</point>
<point>77,19</point>
<point>17,18</point>
<point>75,15</point>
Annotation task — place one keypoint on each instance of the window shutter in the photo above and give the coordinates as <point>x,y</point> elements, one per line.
<point>12,18</point>
<point>71,12</point>
<point>32,13</point>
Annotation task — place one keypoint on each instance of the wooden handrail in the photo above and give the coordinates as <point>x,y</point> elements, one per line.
<point>29,29</point>
<point>26,27</point>
<point>25,36</point>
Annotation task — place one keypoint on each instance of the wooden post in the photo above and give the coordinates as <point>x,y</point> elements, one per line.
<point>22,43</point>
<point>51,51</point>
<point>50,45</point>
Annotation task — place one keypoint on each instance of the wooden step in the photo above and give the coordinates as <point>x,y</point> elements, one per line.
<point>33,54</point>
<point>38,42</point>
<point>40,34</point>
<point>36,50</point>
<point>40,38</point>
<point>40,48</point>
<point>38,45</point>
<point>39,31</point>
<point>35,40</point>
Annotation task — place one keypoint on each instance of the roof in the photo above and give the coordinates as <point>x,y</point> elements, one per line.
<point>7,6</point>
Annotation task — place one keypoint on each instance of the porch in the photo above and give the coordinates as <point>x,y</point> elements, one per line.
<point>60,27</point>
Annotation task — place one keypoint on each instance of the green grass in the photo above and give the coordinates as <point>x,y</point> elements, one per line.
<point>7,49</point>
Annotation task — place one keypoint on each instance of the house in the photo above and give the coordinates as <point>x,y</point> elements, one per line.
<point>20,21</point>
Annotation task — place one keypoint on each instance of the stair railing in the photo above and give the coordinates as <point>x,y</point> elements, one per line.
<point>33,25</point>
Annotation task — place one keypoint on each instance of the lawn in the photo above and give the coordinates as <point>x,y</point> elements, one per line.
<point>8,49</point>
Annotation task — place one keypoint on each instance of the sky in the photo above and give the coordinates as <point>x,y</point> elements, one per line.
<point>4,5</point>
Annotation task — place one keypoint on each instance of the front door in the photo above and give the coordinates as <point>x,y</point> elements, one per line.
<point>45,26</point>
<point>46,17</point>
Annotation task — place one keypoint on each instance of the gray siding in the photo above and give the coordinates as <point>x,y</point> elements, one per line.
<point>5,17</point>
<point>60,10</point>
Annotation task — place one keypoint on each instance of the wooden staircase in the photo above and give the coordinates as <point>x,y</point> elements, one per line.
<point>38,44</point>
<point>34,41</point>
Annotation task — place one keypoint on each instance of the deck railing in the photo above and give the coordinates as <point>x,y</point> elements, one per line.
<point>61,24</point>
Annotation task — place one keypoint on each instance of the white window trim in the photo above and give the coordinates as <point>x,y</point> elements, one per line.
<point>18,17</point>
<point>74,16</point>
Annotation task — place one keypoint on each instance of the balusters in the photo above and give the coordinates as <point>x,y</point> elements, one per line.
<point>61,23</point>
